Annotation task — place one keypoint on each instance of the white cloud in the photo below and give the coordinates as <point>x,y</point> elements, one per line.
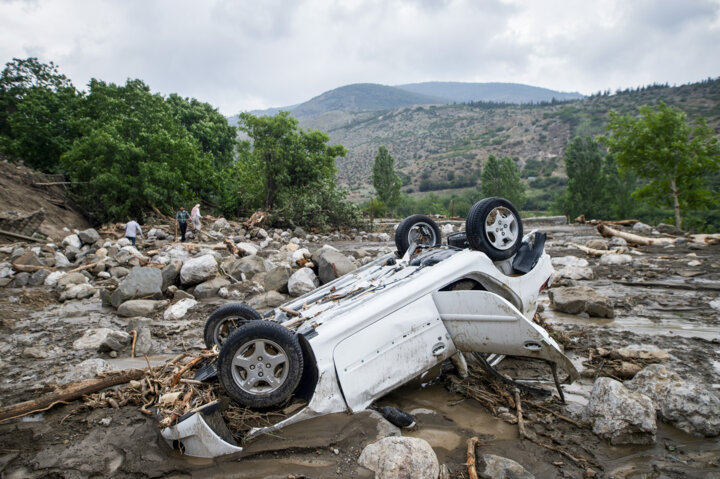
<point>248,54</point>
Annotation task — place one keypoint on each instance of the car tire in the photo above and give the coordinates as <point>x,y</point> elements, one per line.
<point>260,364</point>
<point>420,229</point>
<point>226,319</point>
<point>494,227</point>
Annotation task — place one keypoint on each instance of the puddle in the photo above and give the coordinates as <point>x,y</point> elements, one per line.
<point>139,362</point>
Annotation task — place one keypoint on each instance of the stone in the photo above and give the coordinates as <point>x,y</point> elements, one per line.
<point>641,227</point>
<point>222,225</point>
<point>72,240</point>
<point>687,405</point>
<point>247,267</point>
<point>141,283</point>
<point>53,278</point>
<point>119,272</point>
<point>597,243</point>
<point>617,242</point>
<point>77,291</point>
<point>170,273</point>
<point>581,299</point>
<point>247,249</point>
<point>70,279</point>
<point>572,267</point>
<point>197,270</point>
<point>400,458</point>
<point>102,340</point>
<point>645,352</point>
<point>38,277</point>
<point>208,289</point>
<point>61,261</point>
<point>447,229</point>
<point>123,242</point>
<point>619,415</point>
<point>87,369</point>
<point>29,258</point>
<point>89,236</point>
<point>331,264</point>
<point>302,281</point>
<point>668,229</point>
<point>71,253</point>
<point>301,256</point>
<point>20,280</point>
<point>271,299</point>
<point>34,352</point>
<point>139,307</point>
<point>277,279</point>
<point>179,309</point>
<point>261,233</point>
<point>497,467</point>
<point>615,259</point>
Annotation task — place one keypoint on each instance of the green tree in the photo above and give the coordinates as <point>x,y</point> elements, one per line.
<point>385,181</point>
<point>501,177</point>
<point>286,159</point>
<point>586,190</point>
<point>674,158</point>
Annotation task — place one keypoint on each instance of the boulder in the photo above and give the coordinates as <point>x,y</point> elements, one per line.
<point>400,458</point>
<point>179,309</point>
<point>141,283</point>
<point>597,243</point>
<point>29,258</point>
<point>170,273</point>
<point>271,299</point>
<point>87,369</point>
<point>644,352</point>
<point>61,261</point>
<point>689,406</point>
<point>89,236</point>
<point>77,291</point>
<point>277,279</point>
<point>332,264</point>
<point>72,240</point>
<point>38,277</point>
<point>620,415</point>
<point>20,280</point>
<point>209,288</point>
<point>247,249</point>
<point>222,225</point>
<point>615,259</point>
<point>668,229</point>
<point>53,278</point>
<point>139,307</point>
<point>572,267</point>
<point>197,270</point>
<point>247,267</point>
<point>302,281</point>
<point>497,467</point>
<point>617,242</point>
<point>70,279</point>
<point>641,227</point>
<point>581,299</point>
<point>119,272</point>
<point>102,340</point>
<point>301,256</point>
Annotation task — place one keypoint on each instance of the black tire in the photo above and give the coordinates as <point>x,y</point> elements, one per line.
<point>226,319</point>
<point>494,227</point>
<point>420,229</point>
<point>260,364</point>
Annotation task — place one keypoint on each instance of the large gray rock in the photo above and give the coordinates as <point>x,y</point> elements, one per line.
<point>331,264</point>
<point>139,307</point>
<point>688,406</point>
<point>197,270</point>
<point>271,299</point>
<point>400,458</point>
<point>497,467</point>
<point>277,279</point>
<point>77,291</point>
<point>170,273</point>
<point>61,261</point>
<point>72,241</point>
<point>89,236</point>
<point>208,289</point>
<point>38,277</point>
<point>247,267</point>
<point>87,369</point>
<point>581,299</point>
<point>141,283</point>
<point>572,267</point>
<point>70,279</point>
<point>620,415</point>
<point>615,259</point>
<point>302,281</point>
<point>102,340</point>
<point>222,225</point>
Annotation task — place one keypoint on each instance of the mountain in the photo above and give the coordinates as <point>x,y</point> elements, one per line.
<point>460,92</point>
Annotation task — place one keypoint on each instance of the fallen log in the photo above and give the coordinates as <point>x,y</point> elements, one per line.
<point>608,232</point>
<point>472,471</point>
<point>593,251</point>
<point>69,393</point>
<point>19,236</point>
<point>231,246</point>
<point>29,268</point>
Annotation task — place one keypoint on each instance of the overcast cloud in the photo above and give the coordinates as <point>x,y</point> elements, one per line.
<point>243,55</point>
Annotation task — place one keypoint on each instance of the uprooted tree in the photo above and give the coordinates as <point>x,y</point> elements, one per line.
<point>674,158</point>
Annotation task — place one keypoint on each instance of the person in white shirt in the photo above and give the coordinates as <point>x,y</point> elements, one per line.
<point>195,217</point>
<point>132,229</point>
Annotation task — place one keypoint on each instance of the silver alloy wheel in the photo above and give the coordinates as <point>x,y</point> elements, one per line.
<point>225,328</point>
<point>260,366</point>
<point>422,234</point>
<point>501,228</point>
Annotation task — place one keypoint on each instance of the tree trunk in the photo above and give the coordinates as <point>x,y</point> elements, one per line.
<point>676,204</point>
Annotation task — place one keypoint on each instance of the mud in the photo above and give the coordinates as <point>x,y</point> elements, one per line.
<point>663,298</point>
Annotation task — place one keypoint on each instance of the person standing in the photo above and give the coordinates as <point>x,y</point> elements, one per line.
<point>195,217</point>
<point>181,219</point>
<point>132,230</point>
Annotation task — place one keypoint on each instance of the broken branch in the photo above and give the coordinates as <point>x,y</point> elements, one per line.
<point>472,471</point>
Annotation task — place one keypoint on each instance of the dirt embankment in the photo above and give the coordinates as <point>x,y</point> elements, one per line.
<point>24,190</point>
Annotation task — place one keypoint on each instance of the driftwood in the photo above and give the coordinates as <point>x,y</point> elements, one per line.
<point>607,231</point>
<point>593,251</point>
<point>256,219</point>
<point>69,393</point>
<point>231,246</point>
<point>29,268</point>
<point>520,421</point>
<point>19,236</point>
<point>472,471</point>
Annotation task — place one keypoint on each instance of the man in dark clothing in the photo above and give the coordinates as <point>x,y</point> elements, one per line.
<point>181,218</point>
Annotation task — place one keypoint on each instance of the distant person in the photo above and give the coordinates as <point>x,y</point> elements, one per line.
<point>181,219</point>
<point>132,230</point>
<point>195,217</point>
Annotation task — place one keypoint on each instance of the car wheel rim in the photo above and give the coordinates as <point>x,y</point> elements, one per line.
<point>501,228</point>
<point>224,330</point>
<point>422,234</point>
<point>260,366</point>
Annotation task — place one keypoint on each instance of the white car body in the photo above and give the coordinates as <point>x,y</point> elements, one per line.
<point>386,323</point>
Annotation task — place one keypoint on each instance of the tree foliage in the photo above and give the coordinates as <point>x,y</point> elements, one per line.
<point>673,158</point>
<point>501,177</point>
<point>586,190</point>
<point>385,181</point>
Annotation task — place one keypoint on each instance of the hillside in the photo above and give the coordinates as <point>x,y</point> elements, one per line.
<point>461,92</point>
<point>444,146</point>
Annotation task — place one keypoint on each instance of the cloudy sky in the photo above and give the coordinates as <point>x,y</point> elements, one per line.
<point>249,54</point>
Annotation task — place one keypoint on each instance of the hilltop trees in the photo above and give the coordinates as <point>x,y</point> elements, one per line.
<point>673,158</point>
<point>501,177</point>
<point>385,181</point>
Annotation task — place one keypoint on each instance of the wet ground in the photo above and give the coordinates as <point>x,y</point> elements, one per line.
<point>663,298</point>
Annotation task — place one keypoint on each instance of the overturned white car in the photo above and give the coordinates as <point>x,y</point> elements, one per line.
<point>351,341</point>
